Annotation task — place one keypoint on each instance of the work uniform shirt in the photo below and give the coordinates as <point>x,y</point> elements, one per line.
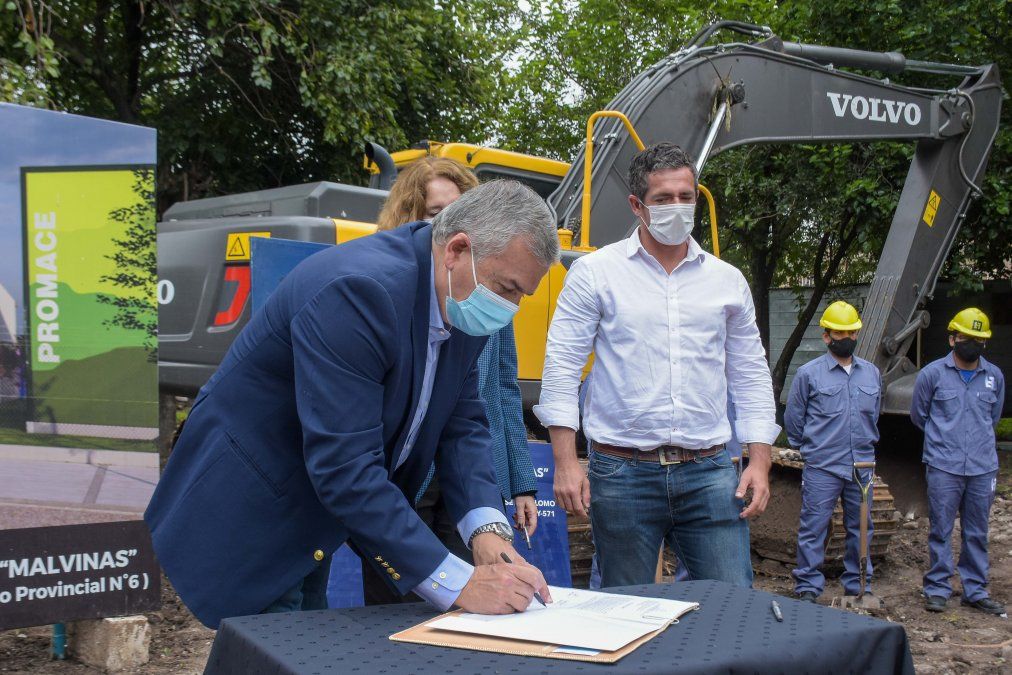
<point>668,350</point>
<point>832,416</point>
<point>958,418</point>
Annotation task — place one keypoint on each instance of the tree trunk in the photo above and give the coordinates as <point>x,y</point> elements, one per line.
<point>166,426</point>
<point>794,340</point>
<point>821,285</point>
<point>133,34</point>
<point>762,281</point>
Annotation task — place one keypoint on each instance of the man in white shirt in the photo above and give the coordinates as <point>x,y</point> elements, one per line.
<point>674,334</point>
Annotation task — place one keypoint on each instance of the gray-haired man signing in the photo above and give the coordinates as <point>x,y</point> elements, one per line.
<point>328,410</point>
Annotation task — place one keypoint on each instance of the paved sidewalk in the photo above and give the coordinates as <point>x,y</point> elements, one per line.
<point>36,493</point>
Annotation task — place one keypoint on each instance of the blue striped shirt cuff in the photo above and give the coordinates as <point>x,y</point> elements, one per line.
<point>442,588</point>
<point>475,518</point>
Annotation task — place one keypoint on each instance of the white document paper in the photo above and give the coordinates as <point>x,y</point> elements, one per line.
<point>576,618</point>
<point>579,651</point>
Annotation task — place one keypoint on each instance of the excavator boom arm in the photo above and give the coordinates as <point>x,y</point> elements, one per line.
<point>712,98</point>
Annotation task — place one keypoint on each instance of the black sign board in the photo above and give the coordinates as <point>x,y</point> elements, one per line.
<point>54,574</point>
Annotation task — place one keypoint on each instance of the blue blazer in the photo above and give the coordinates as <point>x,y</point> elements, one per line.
<point>290,447</point>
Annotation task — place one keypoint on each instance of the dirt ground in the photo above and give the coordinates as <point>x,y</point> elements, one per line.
<point>960,640</point>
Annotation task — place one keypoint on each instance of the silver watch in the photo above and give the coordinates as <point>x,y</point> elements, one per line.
<point>501,529</point>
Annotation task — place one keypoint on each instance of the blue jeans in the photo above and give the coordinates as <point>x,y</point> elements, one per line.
<point>306,595</point>
<point>636,506</point>
<point>819,491</point>
<point>971,497</point>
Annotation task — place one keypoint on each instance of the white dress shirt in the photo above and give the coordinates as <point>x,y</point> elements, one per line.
<point>668,349</point>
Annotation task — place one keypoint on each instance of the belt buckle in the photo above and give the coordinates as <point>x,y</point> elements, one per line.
<point>662,456</point>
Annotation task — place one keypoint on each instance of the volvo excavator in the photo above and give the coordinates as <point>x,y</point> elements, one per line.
<point>767,90</point>
<point>707,97</point>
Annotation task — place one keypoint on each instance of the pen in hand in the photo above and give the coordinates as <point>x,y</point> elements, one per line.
<point>537,596</point>
<point>527,536</point>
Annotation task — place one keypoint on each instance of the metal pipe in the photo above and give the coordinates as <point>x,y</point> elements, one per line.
<point>59,641</point>
<point>920,334</point>
<point>707,32</point>
<point>387,169</point>
<point>942,68</point>
<point>587,162</point>
<point>921,319</point>
<point>886,62</point>
<point>713,219</point>
<point>711,136</point>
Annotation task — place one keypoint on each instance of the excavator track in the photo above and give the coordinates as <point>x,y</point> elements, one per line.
<point>775,533</point>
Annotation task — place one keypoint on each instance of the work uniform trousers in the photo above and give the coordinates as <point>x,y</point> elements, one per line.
<point>819,491</point>
<point>971,497</point>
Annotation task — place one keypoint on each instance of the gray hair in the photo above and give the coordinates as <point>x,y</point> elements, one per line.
<point>496,212</point>
<point>657,157</point>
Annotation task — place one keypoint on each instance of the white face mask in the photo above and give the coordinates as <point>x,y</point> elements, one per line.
<point>671,224</point>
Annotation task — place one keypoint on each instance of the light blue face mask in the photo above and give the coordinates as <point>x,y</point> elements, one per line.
<point>482,312</point>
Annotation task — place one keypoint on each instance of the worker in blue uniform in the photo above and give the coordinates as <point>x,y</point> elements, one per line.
<point>831,417</point>
<point>957,403</point>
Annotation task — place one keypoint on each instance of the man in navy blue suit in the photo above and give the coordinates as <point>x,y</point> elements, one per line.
<point>332,404</point>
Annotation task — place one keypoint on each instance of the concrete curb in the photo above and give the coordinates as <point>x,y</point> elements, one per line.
<point>113,645</point>
<point>42,453</point>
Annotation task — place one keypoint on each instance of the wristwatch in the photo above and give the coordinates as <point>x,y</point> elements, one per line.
<point>501,529</point>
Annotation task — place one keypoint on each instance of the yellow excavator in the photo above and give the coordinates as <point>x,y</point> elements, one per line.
<point>783,92</point>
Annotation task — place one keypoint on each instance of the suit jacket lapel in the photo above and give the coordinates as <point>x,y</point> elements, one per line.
<point>458,354</point>
<point>422,240</point>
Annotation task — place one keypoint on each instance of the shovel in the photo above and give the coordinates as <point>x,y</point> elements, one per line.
<point>862,601</point>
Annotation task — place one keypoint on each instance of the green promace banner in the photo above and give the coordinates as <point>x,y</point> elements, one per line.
<point>90,280</point>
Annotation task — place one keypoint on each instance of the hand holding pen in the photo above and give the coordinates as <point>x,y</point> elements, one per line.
<point>537,596</point>
<point>525,516</point>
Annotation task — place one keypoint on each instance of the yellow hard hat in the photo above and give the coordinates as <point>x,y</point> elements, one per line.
<point>840,316</point>
<point>971,321</point>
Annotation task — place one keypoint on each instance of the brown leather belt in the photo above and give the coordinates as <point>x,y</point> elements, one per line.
<point>666,454</point>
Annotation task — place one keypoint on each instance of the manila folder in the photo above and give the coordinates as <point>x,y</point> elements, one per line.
<point>461,630</point>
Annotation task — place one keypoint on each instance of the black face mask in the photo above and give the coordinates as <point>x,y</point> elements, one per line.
<point>843,347</point>
<point>968,350</point>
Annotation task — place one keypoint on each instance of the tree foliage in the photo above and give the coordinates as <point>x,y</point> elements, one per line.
<point>248,94</point>
<point>969,32</point>
<point>136,264</point>
<point>788,214</point>
<point>571,57</point>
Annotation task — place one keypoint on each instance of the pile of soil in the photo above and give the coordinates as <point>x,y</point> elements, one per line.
<point>179,645</point>
<point>959,640</point>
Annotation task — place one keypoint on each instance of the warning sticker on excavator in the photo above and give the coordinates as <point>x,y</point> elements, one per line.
<point>237,247</point>
<point>931,208</point>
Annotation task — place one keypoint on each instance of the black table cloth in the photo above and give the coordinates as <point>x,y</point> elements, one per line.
<point>734,631</point>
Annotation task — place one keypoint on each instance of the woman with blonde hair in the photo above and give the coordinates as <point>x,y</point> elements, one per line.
<point>422,190</point>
